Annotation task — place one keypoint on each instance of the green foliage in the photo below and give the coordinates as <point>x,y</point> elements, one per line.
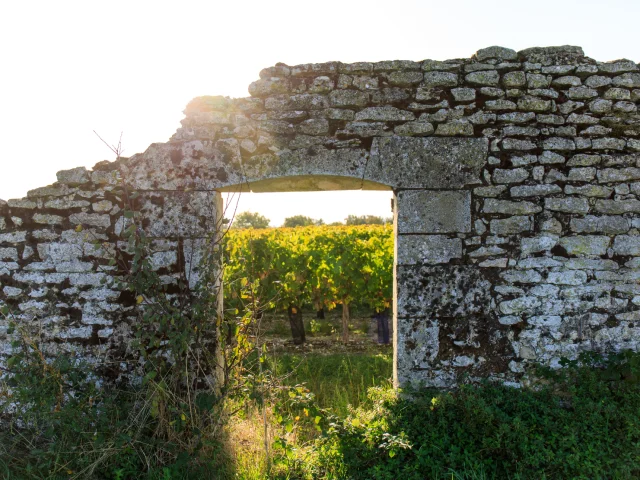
<point>250,220</point>
<point>337,380</point>
<point>61,422</point>
<point>319,266</point>
<point>301,221</point>
<point>367,220</point>
<point>580,422</point>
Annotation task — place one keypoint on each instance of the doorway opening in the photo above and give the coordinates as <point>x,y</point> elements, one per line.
<point>320,267</point>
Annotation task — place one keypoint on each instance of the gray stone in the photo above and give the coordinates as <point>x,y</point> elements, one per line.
<point>627,80</point>
<point>91,219</point>
<point>427,249</point>
<point>571,277</point>
<point>567,81</point>
<point>511,225</point>
<point>567,205</point>
<point>585,245</point>
<point>582,160</point>
<point>516,175</point>
<point>514,79</point>
<point>584,174</point>
<point>385,114</point>
<point>559,143</point>
<point>609,175</point>
<point>461,290</point>
<point>601,106</point>
<point>603,224</point>
<point>421,211</point>
<point>415,129</point>
<point>500,104</point>
<point>439,79</point>
<point>463,94</point>
<point>521,276</point>
<point>499,53</point>
<point>627,245</point>
<point>487,77</point>
<point>589,191</point>
<point>591,264</point>
<point>517,144</point>
<point>314,126</point>
<point>617,94</point>
<point>405,79</point>
<point>13,237</point>
<point>534,190</point>
<point>581,93</point>
<point>519,305</point>
<point>510,208</point>
<point>348,98</point>
<point>551,158</point>
<point>542,243</point>
<point>490,191</point>
<point>366,129</point>
<point>517,117</point>
<point>534,104</point>
<point>454,129</point>
<point>617,206</point>
<point>74,176</point>
<point>428,162</point>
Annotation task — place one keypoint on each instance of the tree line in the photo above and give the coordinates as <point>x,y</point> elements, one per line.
<point>256,220</point>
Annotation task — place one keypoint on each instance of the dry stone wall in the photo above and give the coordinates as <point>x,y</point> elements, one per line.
<point>516,178</point>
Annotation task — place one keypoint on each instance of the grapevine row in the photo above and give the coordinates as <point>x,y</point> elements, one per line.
<point>317,266</point>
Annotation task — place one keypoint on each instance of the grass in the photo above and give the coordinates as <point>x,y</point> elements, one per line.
<point>339,382</point>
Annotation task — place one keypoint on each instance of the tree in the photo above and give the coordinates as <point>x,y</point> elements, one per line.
<point>301,221</point>
<point>250,220</point>
<point>366,220</point>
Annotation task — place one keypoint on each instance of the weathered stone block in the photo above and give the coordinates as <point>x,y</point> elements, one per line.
<point>348,98</point>
<point>599,191</point>
<point>610,175</point>
<point>604,224</point>
<point>440,79</point>
<point>488,78</point>
<point>567,205</point>
<point>511,225</point>
<point>499,53</point>
<point>463,94</point>
<point>515,175</point>
<point>443,291</point>
<point>427,249</point>
<point>571,277</point>
<point>453,129</point>
<point>423,211</point>
<point>585,245</point>
<point>534,190</point>
<point>510,208</point>
<point>414,129</point>
<point>74,176</point>
<point>427,162</point>
<point>91,219</point>
<point>617,206</point>
<point>385,114</point>
<point>627,245</point>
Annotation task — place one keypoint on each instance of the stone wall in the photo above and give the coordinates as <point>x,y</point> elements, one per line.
<point>516,182</point>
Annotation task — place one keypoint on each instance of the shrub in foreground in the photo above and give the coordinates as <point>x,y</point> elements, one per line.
<point>582,422</point>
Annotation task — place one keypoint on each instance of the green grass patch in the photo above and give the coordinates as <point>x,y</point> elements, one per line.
<point>337,380</point>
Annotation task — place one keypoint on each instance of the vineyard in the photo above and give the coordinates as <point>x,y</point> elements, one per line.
<point>317,267</point>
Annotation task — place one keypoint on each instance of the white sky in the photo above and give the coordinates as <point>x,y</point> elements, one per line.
<point>67,68</point>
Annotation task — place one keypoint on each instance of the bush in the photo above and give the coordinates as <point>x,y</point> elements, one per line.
<point>581,422</point>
